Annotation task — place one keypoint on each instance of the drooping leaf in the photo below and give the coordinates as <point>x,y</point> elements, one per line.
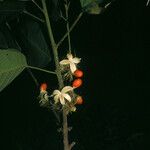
<point>12,63</point>
<point>11,9</point>
<point>33,42</point>
<point>6,38</point>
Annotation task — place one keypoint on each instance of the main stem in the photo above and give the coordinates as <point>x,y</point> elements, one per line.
<point>58,73</point>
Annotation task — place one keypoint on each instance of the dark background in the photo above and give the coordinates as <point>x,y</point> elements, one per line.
<point>114,48</point>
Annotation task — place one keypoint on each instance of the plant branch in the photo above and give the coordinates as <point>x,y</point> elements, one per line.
<point>37,5</point>
<point>71,28</point>
<point>72,145</point>
<point>67,24</point>
<point>53,44</point>
<point>58,73</point>
<point>36,68</point>
<point>33,16</point>
<point>33,77</point>
<point>65,131</point>
<point>147,2</point>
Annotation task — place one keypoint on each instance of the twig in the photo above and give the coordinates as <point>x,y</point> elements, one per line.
<point>71,28</point>
<point>36,68</point>
<point>33,77</point>
<point>67,25</point>
<point>147,2</point>
<point>33,16</point>
<point>37,5</point>
<point>72,145</point>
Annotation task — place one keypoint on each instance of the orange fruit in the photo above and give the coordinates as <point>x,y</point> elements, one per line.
<point>43,87</point>
<point>77,83</point>
<point>79,100</point>
<point>78,73</point>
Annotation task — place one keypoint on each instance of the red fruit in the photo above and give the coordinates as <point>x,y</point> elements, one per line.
<point>43,87</point>
<point>77,82</point>
<point>78,73</point>
<point>79,100</point>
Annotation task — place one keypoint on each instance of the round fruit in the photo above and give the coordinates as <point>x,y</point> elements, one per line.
<point>77,82</point>
<point>79,100</point>
<point>78,73</point>
<point>43,86</point>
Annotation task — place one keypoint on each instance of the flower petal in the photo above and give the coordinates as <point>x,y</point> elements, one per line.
<point>66,89</point>
<point>73,67</point>
<point>62,100</point>
<point>56,98</point>
<point>76,60</point>
<point>67,97</point>
<point>64,62</point>
<point>56,92</point>
<point>69,56</point>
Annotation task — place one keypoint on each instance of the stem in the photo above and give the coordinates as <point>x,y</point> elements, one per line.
<point>58,72</point>
<point>67,25</point>
<point>37,5</point>
<point>54,47</point>
<point>147,2</point>
<point>36,68</point>
<point>33,16</point>
<point>33,77</point>
<point>65,130</point>
<point>71,28</point>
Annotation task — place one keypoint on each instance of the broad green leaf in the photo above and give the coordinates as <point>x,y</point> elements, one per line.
<point>12,63</point>
<point>32,40</point>
<point>6,38</point>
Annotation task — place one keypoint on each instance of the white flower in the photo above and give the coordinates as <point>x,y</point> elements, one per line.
<point>62,95</point>
<point>71,61</point>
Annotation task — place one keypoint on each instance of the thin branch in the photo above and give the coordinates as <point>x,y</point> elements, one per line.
<point>72,145</point>
<point>43,70</point>
<point>61,15</point>
<point>67,24</point>
<point>71,28</point>
<point>33,16</point>
<point>33,77</point>
<point>147,2</point>
<point>37,5</point>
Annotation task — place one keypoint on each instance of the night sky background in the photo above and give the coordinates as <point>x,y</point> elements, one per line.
<point>114,48</point>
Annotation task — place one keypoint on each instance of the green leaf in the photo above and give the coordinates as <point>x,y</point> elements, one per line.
<point>93,6</point>
<point>94,9</point>
<point>86,3</point>
<point>12,63</point>
<point>32,40</point>
<point>6,38</point>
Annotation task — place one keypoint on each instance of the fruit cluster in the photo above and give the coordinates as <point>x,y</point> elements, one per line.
<point>77,83</point>
<point>65,97</point>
